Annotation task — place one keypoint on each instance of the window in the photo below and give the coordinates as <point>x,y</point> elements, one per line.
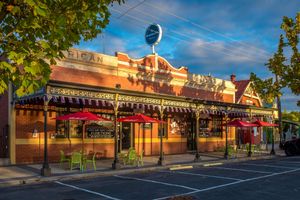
<point>203,128</point>
<point>164,127</point>
<point>61,126</point>
<point>203,123</point>
<point>249,102</point>
<point>73,128</point>
<point>216,129</point>
<point>76,129</point>
<point>99,130</point>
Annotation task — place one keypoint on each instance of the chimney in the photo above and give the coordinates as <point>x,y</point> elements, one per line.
<point>232,77</point>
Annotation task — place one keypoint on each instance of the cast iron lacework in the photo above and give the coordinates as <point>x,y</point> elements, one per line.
<point>263,112</point>
<point>136,99</point>
<point>176,104</point>
<point>80,93</point>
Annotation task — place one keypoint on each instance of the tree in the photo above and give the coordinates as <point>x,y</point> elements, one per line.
<point>292,31</point>
<point>34,33</point>
<point>269,89</point>
<point>293,116</point>
<point>286,73</point>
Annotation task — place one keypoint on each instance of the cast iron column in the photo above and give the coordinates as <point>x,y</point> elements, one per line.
<point>46,170</point>
<point>272,150</point>
<point>161,160</point>
<point>226,141</point>
<point>116,163</point>
<point>197,156</point>
<point>250,144</point>
<point>279,118</point>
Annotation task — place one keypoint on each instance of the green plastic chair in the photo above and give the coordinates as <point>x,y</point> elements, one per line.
<point>93,160</point>
<point>252,147</point>
<point>63,158</point>
<point>140,159</point>
<point>76,160</point>
<point>132,157</point>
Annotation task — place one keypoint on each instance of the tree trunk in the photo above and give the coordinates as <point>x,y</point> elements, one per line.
<point>279,121</point>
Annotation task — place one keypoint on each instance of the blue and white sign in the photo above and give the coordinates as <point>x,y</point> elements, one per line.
<point>153,34</point>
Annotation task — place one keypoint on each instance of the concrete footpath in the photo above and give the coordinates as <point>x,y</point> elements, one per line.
<point>30,174</point>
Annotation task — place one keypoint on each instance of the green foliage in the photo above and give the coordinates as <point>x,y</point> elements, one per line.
<point>270,88</point>
<point>33,34</point>
<point>287,71</point>
<point>292,31</point>
<point>293,116</point>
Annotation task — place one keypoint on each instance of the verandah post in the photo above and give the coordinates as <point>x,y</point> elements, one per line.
<point>161,160</point>
<point>116,163</point>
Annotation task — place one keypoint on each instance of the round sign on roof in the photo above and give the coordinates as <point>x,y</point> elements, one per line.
<point>153,34</point>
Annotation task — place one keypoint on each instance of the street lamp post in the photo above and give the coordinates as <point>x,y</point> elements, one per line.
<point>197,155</point>
<point>226,137</point>
<point>161,160</point>
<point>226,144</point>
<point>272,152</point>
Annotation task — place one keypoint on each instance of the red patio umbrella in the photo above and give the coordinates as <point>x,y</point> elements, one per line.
<point>82,116</point>
<point>239,123</point>
<point>139,118</point>
<point>266,124</point>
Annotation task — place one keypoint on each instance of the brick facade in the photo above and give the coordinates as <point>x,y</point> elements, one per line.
<point>148,75</point>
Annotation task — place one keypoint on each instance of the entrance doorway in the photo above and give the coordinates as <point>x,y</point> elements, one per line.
<point>4,142</point>
<point>4,150</point>
<point>191,136</point>
<point>126,136</point>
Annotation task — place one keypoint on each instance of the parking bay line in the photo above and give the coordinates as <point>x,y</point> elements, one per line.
<point>158,182</point>
<point>271,166</point>
<point>203,175</point>
<point>243,170</point>
<point>85,190</point>
<point>228,184</point>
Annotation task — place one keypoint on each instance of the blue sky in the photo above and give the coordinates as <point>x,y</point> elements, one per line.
<point>217,37</point>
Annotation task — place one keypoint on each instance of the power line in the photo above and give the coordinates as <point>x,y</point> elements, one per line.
<point>205,28</point>
<point>212,41</point>
<point>133,7</point>
<point>205,47</point>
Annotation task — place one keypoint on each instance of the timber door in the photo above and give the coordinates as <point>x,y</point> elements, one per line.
<point>4,142</point>
<point>191,136</point>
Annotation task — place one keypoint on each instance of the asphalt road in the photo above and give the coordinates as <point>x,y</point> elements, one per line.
<point>276,179</point>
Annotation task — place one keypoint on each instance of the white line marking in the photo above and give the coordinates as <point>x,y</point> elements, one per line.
<point>242,170</point>
<point>85,190</point>
<point>158,182</point>
<point>273,166</point>
<point>203,175</point>
<point>228,184</point>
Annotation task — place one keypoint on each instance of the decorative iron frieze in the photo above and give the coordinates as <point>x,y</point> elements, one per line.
<point>80,93</point>
<point>262,112</point>
<point>177,104</point>
<point>136,99</point>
